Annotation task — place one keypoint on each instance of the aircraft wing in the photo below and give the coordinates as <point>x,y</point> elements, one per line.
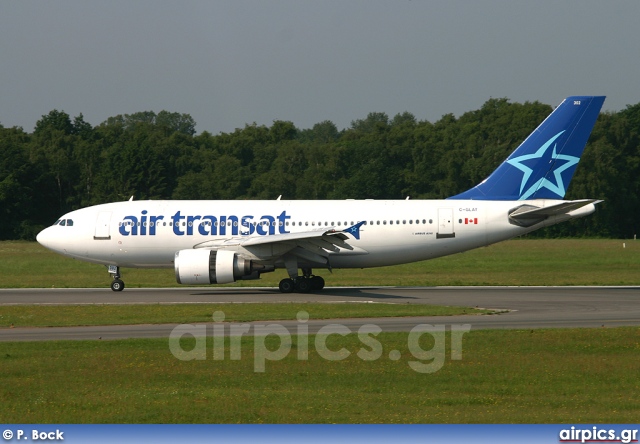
<point>313,245</point>
<point>317,234</point>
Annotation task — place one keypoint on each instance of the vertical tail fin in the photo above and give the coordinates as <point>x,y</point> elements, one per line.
<point>543,165</point>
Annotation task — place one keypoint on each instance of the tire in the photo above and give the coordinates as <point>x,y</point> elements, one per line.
<point>303,285</point>
<point>117,285</point>
<point>317,283</point>
<point>287,286</point>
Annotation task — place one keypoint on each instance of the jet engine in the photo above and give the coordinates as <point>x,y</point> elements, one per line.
<point>200,266</point>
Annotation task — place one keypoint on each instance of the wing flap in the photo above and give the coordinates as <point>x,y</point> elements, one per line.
<point>310,256</point>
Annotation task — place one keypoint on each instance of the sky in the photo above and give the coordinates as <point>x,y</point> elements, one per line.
<point>231,63</point>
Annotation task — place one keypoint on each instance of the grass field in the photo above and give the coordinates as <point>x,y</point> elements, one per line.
<point>515,262</point>
<point>539,376</point>
<point>77,315</point>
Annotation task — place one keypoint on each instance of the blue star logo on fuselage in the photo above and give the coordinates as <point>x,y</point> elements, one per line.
<point>547,156</point>
<point>354,230</point>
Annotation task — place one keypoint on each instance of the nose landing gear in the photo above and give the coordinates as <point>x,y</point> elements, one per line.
<point>117,284</point>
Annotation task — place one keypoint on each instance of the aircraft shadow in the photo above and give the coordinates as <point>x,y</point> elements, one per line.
<point>359,293</point>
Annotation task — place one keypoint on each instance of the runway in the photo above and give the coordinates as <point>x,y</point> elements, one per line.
<point>527,307</point>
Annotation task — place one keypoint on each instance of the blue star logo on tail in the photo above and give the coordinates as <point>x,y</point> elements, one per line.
<point>544,154</point>
<point>354,230</point>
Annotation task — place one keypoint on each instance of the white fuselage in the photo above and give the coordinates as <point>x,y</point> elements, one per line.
<point>149,233</point>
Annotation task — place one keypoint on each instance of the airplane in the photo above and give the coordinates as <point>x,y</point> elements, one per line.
<point>220,242</point>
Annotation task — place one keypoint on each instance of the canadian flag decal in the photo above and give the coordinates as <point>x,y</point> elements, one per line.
<point>473,221</point>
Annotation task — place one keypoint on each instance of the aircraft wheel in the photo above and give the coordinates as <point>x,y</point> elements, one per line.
<point>317,282</point>
<point>303,285</point>
<point>117,285</point>
<point>286,286</point>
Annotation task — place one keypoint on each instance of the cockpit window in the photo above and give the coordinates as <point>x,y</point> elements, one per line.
<point>64,222</point>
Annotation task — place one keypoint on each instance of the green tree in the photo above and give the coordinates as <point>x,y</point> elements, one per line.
<point>52,149</point>
<point>19,203</point>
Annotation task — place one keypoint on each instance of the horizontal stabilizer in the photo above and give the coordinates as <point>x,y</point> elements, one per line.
<point>527,215</point>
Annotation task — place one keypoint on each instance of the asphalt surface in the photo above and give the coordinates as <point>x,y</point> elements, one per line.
<point>525,307</point>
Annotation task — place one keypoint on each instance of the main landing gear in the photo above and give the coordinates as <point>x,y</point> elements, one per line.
<point>302,284</point>
<point>117,284</point>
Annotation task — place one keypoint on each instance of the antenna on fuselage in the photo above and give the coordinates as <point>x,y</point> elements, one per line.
<point>131,199</point>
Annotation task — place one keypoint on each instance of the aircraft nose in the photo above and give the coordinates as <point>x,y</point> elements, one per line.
<point>45,238</point>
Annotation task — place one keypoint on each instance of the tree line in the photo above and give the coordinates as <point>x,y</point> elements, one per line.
<point>66,163</point>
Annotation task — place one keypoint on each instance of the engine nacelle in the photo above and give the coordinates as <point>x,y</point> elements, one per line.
<point>200,266</point>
